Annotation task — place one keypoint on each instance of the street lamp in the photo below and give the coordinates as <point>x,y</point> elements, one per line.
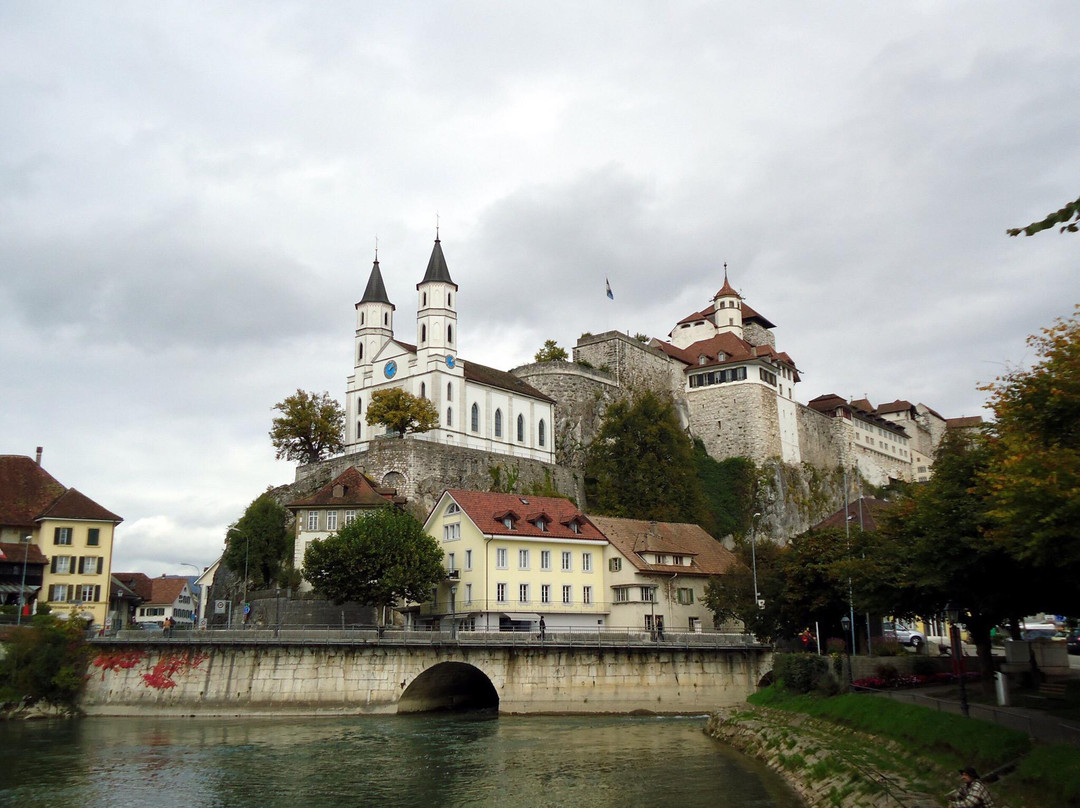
<point>25,540</point>
<point>955,615</point>
<point>846,624</point>
<point>753,556</point>
<point>453,617</point>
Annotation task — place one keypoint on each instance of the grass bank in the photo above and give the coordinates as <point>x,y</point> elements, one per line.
<point>1044,777</point>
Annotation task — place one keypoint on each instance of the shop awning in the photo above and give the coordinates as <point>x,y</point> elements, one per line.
<point>522,616</point>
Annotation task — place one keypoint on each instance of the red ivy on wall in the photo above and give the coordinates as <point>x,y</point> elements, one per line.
<point>170,665</point>
<point>118,660</point>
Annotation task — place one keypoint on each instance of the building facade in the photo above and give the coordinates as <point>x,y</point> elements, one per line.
<point>72,531</point>
<point>479,407</point>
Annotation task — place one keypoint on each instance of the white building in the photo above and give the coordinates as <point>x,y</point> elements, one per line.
<point>479,407</point>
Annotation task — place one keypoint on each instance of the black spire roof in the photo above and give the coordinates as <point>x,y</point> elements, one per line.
<point>376,290</point>
<point>436,268</point>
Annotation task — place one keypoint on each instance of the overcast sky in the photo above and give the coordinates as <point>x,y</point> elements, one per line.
<point>190,195</point>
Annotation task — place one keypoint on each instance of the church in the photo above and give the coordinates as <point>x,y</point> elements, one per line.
<point>479,407</point>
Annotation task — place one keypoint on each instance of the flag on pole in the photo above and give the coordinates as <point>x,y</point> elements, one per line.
<point>607,283</point>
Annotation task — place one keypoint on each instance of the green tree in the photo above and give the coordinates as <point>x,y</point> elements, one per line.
<point>259,543</point>
<point>1033,479</point>
<point>641,464</point>
<point>46,663</point>
<point>729,487</point>
<point>401,411</point>
<point>1068,217</point>
<point>309,427</point>
<point>377,559</point>
<point>551,352</point>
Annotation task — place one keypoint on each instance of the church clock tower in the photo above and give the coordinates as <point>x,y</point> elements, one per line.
<point>436,314</point>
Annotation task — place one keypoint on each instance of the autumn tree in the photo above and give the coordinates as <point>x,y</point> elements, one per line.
<point>641,464</point>
<point>1033,478</point>
<point>46,663</point>
<point>551,352</point>
<point>376,559</point>
<point>259,544</point>
<point>401,412</point>
<point>1068,217</point>
<point>309,427</point>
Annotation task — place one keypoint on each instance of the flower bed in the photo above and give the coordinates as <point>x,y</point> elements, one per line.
<point>911,680</point>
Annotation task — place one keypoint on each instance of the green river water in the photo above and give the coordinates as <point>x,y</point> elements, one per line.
<point>422,760</point>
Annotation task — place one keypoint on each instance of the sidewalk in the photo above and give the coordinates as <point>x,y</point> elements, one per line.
<point>1037,724</point>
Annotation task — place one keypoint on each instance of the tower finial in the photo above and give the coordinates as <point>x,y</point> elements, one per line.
<point>376,248</point>
<point>725,272</point>
<point>436,225</point>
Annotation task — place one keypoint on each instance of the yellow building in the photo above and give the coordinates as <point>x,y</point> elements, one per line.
<point>511,560</point>
<point>71,530</point>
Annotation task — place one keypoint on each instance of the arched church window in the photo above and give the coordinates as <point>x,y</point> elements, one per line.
<point>425,299</point>
<point>450,334</point>
<point>449,416</point>
<point>361,318</point>
<point>360,353</point>
<point>540,432</point>
<point>423,334</point>
<point>475,417</point>
<point>423,390</point>
<point>521,429</point>
<point>449,391</point>
<point>498,423</point>
<point>448,300</point>
<point>386,318</point>
<point>358,429</point>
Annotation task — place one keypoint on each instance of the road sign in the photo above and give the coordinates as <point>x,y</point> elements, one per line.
<point>247,608</point>
<point>221,606</point>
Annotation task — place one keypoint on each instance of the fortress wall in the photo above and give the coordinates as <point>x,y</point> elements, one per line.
<point>756,335</point>
<point>633,363</point>
<point>735,420</point>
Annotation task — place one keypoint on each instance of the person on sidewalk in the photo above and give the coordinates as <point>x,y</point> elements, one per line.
<point>973,793</point>
<point>543,628</point>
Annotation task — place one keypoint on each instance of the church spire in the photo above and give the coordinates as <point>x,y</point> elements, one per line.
<point>437,271</point>
<point>376,289</point>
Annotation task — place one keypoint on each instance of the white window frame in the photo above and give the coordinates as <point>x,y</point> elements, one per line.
<point>502,558</point>
<point>567,594</point>
<point>468,560</point>
<point>468,594</point>
<point>614,564</point>
<point>586,595</point>
<point>500,592</point>
<point>331,520</point>
<point>523,593</point>
<point>312,520</point>
<point>64,565</point>
<point>452,532</point>
<point>586,562</point>
<point>349,517</point>
<point>523,559</point>
<point>567,561</point>
<point>545,560</point>
<point>545,593</point>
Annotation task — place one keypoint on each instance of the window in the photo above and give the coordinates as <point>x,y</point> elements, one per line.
<point>449,391</point>
<point>614,565</point>
<point>89,593</point>
<point>501,561</point>
<point>349,517</point>
<point>450,561</point>
<point>424,298</point>
<point>567,594</point>
<point>521,429</point>
<point>331,520</point>
<point>451,532</point>
<point>622,595</point>
<point>586,595</point>
<point>498,423</point>
<point>450,333</point>
<point>545,559</point>
<point>575,526</point>
<point>62,535</point>
<point>468,594</point>
<point>423,390</point>
<point>523,593</point>
<point>475,417</point>
<point>312,520</point>
<point>386,318</point>
<point>360,352</point>
<point>508,522</point>
<point>423,334</point>
<point>647,594</point>
<point>60,593</point>
<point>541,525</point>
<point>586,562</point>
<point>468,559</point>
<point>677,560</point>
<point>523,559</point>
<point>545,593</point>
<point>93,537</point>
<point>500,593</point>
<point>567,561</point>
<point>540,432</point>
<point>448,299</point>
<point>685,596</point>
<point>452,508</point>
<point>90,565</point>
<point>62,565</point>
<point>449,416</point>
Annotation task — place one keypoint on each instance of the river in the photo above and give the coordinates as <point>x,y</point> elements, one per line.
<point>422,760</point>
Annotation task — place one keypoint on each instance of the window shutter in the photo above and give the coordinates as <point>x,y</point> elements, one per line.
<point>100,564</point>
<point>52,568</point>
<point>70,592</point>
<point>82,564</point>
<point>97,593</point>
<point>56,536</point>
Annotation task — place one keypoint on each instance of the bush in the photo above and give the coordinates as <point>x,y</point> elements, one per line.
<point>880,646</point>
<point>800,673</point>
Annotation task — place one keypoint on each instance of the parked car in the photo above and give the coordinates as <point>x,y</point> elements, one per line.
<point>905,635</point>
<point>1073,641</point>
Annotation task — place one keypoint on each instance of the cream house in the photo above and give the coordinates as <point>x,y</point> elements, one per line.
<point>512,559</point>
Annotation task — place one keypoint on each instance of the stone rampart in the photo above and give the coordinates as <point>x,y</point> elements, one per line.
<point>634,364</point>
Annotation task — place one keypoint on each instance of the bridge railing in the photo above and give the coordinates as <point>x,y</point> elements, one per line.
<point>315,635</point>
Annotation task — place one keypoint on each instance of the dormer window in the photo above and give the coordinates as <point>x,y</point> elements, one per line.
<point>508,522</point>
<point>677,560</point>
<point>541,525</point>
<point>575,526</point>
<point>452,508</point>
<point>702,359</point>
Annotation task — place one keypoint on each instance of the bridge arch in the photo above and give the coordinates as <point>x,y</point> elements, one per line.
<point>456,686</point>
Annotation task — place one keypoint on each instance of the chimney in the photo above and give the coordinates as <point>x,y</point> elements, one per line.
<point>38,458</point>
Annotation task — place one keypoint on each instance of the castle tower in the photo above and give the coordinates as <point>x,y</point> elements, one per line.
<point>374,318</point>
<point>727,309</point>
<point>436,313</point>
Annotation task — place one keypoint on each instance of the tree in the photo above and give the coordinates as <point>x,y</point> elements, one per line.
<point>259,544</point>
<point>46,663</point>
<point>551,352</point>
<point>401,411</point>
<point>641,464</point>
<point>309,428</point>
<point>1033,479</point>
<point>376,559</point>
<point>1070,212</point>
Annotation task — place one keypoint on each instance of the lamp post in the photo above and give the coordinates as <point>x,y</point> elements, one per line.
<point>753,556</point>
<point>453,616</point>
<point>955,614</point>
<point>25,541</point>
<point>846,624</point>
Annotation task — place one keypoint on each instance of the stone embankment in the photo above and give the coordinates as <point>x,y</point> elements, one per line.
<point>830,765</point>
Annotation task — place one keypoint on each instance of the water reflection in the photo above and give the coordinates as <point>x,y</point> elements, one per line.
<point>422,760</point>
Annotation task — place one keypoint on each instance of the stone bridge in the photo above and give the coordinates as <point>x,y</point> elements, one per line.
<point>352,672</point>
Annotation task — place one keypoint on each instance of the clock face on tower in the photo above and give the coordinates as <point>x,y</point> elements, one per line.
<point>390,369</point>
<point>449,361</point>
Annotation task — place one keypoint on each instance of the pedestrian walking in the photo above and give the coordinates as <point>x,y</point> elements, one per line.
<point>972,793</point>
<point>543,628</point>
<point>167,626</point>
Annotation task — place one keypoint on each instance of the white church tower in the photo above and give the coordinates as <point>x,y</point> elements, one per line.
<point>374,318</point>
<point>727,309</point>
<point>436,313</point>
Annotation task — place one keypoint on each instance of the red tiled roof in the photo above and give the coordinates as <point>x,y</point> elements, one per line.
<point>862,405</point>
<point>726,290</point>
<point>73,504</point>
<point>486,509</point>
<point>15,552</point>
<point>872,511</point>
<point>26,490</point>
<point>635,536</point>
<point>734,348</point>
<point>356,490</point>
<point>482,374</point>
<point>896,406</point>
<point>964,422</point>
<point>137,582</point>
<point>165,591</point>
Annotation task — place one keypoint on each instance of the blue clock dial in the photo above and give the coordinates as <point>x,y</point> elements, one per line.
<point>390,369</point>
<point>449,361</point>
